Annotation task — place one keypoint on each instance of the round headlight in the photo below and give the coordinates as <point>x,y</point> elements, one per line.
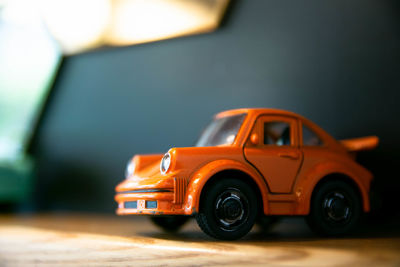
<point>130,168</point>
<point>165,163</point>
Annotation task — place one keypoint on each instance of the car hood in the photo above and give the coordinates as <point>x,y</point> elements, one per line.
<point>190,159</point>
<point>184,162</point>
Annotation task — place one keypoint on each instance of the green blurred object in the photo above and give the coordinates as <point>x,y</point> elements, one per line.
<point>29,61</point>
<point>16,180</point>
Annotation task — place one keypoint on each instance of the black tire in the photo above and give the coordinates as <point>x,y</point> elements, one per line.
<point>335,209</point>
<point>228,209</point>
<point>169,224</point>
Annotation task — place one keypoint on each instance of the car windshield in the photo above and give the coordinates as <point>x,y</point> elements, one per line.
<point>221,131</point>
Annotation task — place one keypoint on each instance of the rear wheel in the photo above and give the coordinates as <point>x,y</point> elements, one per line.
<point>169,223</point>
<point>228,209</point>
<point>335,209</point>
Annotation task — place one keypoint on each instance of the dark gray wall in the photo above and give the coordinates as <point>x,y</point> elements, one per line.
<point>335,62</point>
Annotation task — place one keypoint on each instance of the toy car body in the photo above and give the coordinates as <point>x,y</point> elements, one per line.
<point>250,162</point>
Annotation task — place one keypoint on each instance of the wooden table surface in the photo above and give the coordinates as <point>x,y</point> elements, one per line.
<point>107,240</point>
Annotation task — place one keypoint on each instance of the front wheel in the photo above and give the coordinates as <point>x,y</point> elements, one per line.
<point>228,209</point>
<point>335,209</point>
<point>169,223</point>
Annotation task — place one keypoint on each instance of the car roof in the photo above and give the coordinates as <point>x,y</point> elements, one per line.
<point>256,112</point>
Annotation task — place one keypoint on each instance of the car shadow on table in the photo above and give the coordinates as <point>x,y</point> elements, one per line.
<point>288,230</point>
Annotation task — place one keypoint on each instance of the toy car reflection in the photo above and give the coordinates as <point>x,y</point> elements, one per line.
<point>250,163</point>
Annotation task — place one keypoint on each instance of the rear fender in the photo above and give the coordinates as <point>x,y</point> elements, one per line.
<point>305,188</point>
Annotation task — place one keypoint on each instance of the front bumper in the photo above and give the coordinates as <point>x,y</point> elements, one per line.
<point>157,197</point>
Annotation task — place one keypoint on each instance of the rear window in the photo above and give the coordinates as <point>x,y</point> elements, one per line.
<point>310,138</point>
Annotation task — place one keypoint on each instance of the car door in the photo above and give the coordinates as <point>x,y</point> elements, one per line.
<point>273,148</point>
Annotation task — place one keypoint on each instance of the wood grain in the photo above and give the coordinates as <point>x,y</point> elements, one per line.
<point>87,240</point>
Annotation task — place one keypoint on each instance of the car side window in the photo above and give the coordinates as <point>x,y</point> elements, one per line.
<point>277,133</point>
<point>310,138</point>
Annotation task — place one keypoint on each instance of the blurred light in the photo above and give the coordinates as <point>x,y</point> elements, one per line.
<point>81,25</point>
<point>29,58</point>
<point>19,12</point>
<point>230,138</point>
<point>138,21</point>
<point>77,25</point>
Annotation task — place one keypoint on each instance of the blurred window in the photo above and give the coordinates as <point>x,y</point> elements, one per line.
<point>310,138</point>
<point>277,133</point>
<point>221,131</point>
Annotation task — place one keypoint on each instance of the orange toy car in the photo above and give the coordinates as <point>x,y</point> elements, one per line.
<point>250,163</point>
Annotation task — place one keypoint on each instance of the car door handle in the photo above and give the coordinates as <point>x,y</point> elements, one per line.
<point>289,155</point>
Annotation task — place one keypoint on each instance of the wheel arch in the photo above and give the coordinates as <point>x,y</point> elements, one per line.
<point>232,173</point>
<point>210,173</point>
<point>339,176</point>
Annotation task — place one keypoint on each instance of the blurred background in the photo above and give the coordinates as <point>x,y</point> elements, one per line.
<point>84,85</point>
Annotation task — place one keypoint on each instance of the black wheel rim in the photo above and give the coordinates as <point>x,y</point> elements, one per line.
<point>231,209</point>
<point>337,208</point>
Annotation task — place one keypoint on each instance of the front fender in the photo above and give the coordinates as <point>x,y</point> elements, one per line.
<point>200,178</point>
<point>143,161</point>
